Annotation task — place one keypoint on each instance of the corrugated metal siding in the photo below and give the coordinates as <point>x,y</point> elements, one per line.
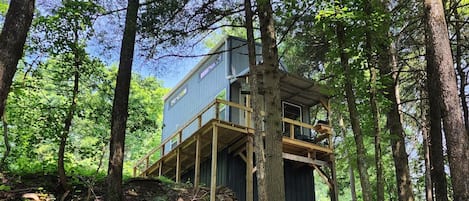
<point>299,182</point>
<point>239,56</point>
<point>200,92</point>
<point>231,172</point>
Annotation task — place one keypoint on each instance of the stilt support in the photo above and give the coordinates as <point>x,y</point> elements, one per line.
<point>197,162</point>
<point>249,167</point>
<point>213,182</point>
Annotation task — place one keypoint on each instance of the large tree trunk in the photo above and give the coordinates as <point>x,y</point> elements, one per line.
<point>12,39</point>
<point>459,68</point>
<point>354,116</point>
<point>257,103</point>
<point>437,159</point>
<point>275,186</point>
<point>457,140</point>
<point>394,123</point>
<point>389,72</point>
<point>120,105</point>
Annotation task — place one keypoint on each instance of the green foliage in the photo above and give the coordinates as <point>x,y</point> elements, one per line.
<point>37,106</point>
<point>3,7</point>
<point>4,187</point>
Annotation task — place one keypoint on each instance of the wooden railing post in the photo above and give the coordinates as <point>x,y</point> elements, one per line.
<point>135,171</point>
<point>147,162</point>
<point>217,110</point>
<point>180,137</point>
<point>199,120</point>
<point>292,131</point>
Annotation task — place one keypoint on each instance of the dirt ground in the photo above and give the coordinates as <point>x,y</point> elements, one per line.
<point>46,188</point>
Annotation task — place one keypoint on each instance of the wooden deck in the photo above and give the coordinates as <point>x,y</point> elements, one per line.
<point>213,135</point>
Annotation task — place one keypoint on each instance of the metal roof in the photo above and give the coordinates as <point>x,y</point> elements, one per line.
<point>301,90</point>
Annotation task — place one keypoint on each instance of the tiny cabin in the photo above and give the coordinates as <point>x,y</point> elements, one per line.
<point>207,124</point>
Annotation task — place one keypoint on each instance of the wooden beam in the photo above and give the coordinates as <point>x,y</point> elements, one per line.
<point>197,162</point>
<point>213,181</point>
<point>178,166</point>
<point>323,176</point>
<point>249,167</point>
<point>241,130</point>
<point>305,145</point>
<point>303,159</point>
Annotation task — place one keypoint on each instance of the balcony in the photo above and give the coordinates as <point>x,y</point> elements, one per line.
<point>209,132</point>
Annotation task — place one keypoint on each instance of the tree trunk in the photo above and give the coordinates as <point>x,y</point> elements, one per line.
<point>389,72</point>
<point>6,141</point>
<point>354,116</point>
<point>69,118</point>
<point>256,102</point>
<point>12,39</point>
<point>459,69</point>
<point>120,105</point>
<point>66,131</point>
<point>426,146</point>
<point>437,159</point>
<point>353,191</point>
<point>394,123</point>
<point>373,100</point>
<point>275,186</point>
<point>457,140</point>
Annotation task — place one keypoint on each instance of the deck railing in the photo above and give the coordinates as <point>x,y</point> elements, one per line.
<point>212,111</point>
<point>199,119</point>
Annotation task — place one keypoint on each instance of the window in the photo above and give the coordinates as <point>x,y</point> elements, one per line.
<point>291,111</point>
<point>222,95</point>
<point>178,97</point>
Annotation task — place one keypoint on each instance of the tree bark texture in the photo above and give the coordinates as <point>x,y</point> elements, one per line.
<point>256,103</point>
<point>457,140</point>
<point>15,29</point>
<point>394,123</point>
<point>459,69</point>
<point>120,105</point>
<point>354,116</point>
<point>426,146</point>
<point>437,159</point>
<point>271,84</point>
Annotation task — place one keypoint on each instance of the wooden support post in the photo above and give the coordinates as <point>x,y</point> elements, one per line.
<point>135,171</point>
<point>292,131</point>
<point>213,181</point>
<point>217,110</point>
<point>147,163</point>
<point>199,121</point>
<point>160,169</point>
<point>334,192</point>
<point>197,161</point>
<point>180,137</point>
<point>178,165</point>
<point>249,167</point>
